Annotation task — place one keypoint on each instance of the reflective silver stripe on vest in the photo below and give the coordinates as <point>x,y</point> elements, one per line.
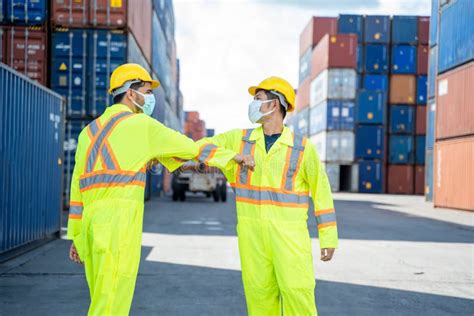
<point>266,195</point>
<point>326,218</point>
<point>94,127</point>
<point>95,150</point>
<point>247,150</point>
<point>76,210</point>
<point>206,152</point>
<point>108,179</point>
<point>296,151</point>
<point>107,158</point>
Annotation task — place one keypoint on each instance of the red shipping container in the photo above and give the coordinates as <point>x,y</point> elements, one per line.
<point>454,173</point>
<point>113,13</point>
<point>400,179</point>
<point>2,45</point>
<point>424,30</point>
<point>422,60</point>
<point>302,95</point>
<point>421,120</point>
<point>334,51</point>
<point>454,107</point>
<point>192,116</point>
<point>315,30</point>
<point>402,89</point>
<point>140,24</point>
<point>26,51</point>
<point>70,13</point>
<point>420,180</point>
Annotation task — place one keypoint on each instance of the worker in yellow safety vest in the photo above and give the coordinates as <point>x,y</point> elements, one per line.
<point>107,189</point>
<point>272,205</point>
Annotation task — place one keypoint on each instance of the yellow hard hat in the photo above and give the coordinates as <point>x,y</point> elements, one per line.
<point>130,73</point>
<point>279,85</point>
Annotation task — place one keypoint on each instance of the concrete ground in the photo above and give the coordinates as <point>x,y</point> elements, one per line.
<point>397,256</point>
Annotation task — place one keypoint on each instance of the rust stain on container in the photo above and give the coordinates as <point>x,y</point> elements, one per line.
<point>420,180</point>
<point>315,30</point>
<point>421,120</point>
<point>302,95</point>
<point>402,89</point>
<point>400,179</point>
<point>455,110</point>
<point>424,30</point>
<point>72,13</point>
<point>454,173</point>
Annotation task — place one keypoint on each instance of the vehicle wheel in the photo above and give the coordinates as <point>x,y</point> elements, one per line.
<point>216,195</point>
<point>175,195</point>
<point>182,196</point>
<point>223,189</point>
<point>208,194</point>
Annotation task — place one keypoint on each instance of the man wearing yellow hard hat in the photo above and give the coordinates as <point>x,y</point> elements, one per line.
<point>272,205</point>
<point>107,189</point>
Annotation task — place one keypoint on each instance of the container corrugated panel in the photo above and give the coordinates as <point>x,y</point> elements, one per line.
<point>405,29</point>
<point>26,12</point>
<point>420,120</point>
<point>302,95</point>
<point>432,71</point>
<point>454,174</point>
<point>332,115</point>
<point>420,149</point>
<point>107,51</point>
<point>401,179</point>
<point>160,61</point>
<point>164,9</point>
<point>302,122</point>
<point>419,180</point>
<point>402,150</point>
<point>360,58</point>
<point>434,23</point>
<point>305,65</point>
<point>351,24</point>
<point>2,45</point>
<point>73,129</point>
<point>455,110</point>
<point>2,12</point>
<point>376,82</point>
<point>430,124</point>
<point>26,51</point>
<point>140,23</point>
<point>70,13</point>
<point>402,119</point>
<point>31,155</point>
<point>371,107</point>
<point>370,142</point>
<point>371,176</point>
<point>333,173</point>
<point>402,89</point>
<point>429,176</point>
<point>456,35</point>
<point>421,89</point>
<point>424,30</point>
<point>316,28</point>
<point>340,84</point>
<point>376,59</point>
<point>335,146</point>
<point>159,112</point>
<point>377,29</point>
<point>404,59</point>
<point>113,13</point>
<point>69,69</point>
<point>422,60</point>
<point>135,55</point>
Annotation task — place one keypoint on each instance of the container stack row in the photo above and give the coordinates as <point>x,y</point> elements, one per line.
<point>375,100</point>
<point>451,127</point>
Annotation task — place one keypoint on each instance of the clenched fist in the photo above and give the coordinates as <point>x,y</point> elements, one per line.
<point>245,161</point>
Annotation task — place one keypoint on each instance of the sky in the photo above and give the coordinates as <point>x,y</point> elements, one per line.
<point>225,46</point>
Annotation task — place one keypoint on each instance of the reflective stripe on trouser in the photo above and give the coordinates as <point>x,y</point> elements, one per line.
<point>110,246</point>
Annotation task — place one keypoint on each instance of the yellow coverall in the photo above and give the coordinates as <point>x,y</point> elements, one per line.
<point>272,207</point>
<point>107,193</point>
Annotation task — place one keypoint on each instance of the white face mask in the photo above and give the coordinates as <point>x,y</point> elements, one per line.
<point>254,110</point>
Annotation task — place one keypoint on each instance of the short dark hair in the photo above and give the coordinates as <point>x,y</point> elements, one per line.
<point>134,86</point>
<point>271,96</point>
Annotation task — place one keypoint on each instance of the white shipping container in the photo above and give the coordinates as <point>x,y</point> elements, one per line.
<point>335,146</point>
<point>333,84</point>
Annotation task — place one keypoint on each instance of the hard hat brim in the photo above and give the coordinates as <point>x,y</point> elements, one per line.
<point>253,90</point>
<point>155,84</point>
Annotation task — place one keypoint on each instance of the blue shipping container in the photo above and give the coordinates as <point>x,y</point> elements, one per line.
<point>371,176</point>
<point>165,14</point>
<point>376,82</point>
<point>26,12</point>
<point>456,35</point>
<point>370,142</point>
<point>360,58</point>
<point>2,12</point>
<point>421,89</point>
<point>429,176</point>
<point>210,132</point>
<point>31,155</point>
<point>402,119</point>
<point>351,24</point>
<point>301,123</point>
<point>305,65</point>
<point>377,29</point>
<point>434,23</point>
<point>432,72</point>
<point>402,150</point>
<point>69,69</point>
<point>420,150</point>
<point>404,59</point>
<point>376,59</point>
<point>107,51</point>
<point>430,124</point>
<point>371,107</point>
<point>332,115</point>
<point>405,29</point>
<point>160,60</point>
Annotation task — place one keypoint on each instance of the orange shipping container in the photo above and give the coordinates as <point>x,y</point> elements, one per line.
<point>421,120</point>
<point>420,180</point>
<point>402,89</point>
<point>192,116</point>
<point>315,30</point>
<point>113,13</point>
<point>454,108</point>
<point>302,95</point>
<point>454,173</point>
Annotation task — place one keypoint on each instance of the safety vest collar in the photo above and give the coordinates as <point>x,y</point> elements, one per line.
<point>286,137</point>
<point>117,107</point>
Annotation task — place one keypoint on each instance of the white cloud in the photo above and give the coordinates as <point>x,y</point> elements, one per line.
<point>226,46</point>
